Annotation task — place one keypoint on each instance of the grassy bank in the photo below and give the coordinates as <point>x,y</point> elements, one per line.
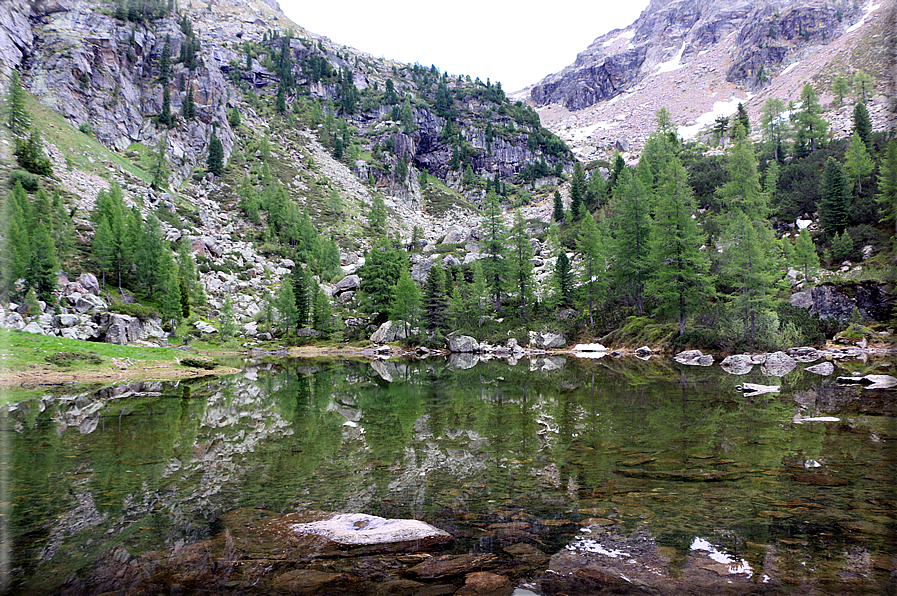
<point>28,362</point>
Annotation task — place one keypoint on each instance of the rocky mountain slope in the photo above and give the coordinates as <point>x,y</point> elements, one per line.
<point>700,58</point>
<point>428,143</point>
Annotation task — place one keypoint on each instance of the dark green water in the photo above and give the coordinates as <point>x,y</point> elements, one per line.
<point>675,451</point>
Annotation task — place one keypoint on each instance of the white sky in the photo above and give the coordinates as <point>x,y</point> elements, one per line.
<point>509,42</point>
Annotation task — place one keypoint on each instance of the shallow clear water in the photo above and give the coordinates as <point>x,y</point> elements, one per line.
<point>544,447</point>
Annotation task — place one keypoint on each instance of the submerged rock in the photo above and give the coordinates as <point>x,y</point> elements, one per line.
<point>358,529</point>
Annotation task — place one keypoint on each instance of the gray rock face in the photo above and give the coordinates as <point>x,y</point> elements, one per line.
<point>16,38</point>
<point>693,358</point>
<point>672,33</point>
<point>462,344</point>
<point>121,329</point>
<point>837,301</point>
<point>82,303</point>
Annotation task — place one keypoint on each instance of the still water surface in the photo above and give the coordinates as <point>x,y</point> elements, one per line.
<point>673,452</point>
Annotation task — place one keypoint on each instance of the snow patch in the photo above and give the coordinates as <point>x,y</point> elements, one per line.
<point>739,566</point>
<point>623,35</point>
<point>720,108</point>
<point>869,10</point>
<point>790,67</point>
<point>673,63</point>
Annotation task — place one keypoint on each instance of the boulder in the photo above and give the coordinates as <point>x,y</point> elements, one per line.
<point>453,235</point>
<point>693,358</point>
<point>66,320</point>
<point>33,327</point>
<point>643,352</point>
<point>205,328</point>
<point>485,583</point>
<point>359,529</point>
<point>462,344</point>
<point>350,283</point>
<point>82,303</point>
<point>778,364</point>
<point>307,332</point>
<point>450,261</point>
<point>89,282</point>
<point>546,340</point>
<point>119,329</point>
<point>388,332</point>
<point>737,364</point>
<point>823,368</point>
<point>804,354</point>
<point>14,321</point>
<point>801,300</point>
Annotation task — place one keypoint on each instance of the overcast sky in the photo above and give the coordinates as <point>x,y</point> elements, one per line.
<point>504,41</point>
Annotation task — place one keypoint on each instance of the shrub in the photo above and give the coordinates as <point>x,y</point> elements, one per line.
<point>141,311</point>
<point>29,181</point>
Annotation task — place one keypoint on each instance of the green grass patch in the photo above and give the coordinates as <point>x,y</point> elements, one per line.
<point>69,359</point>
<point>20,351</point>
<point>84,152</point>
<point>439,198</point>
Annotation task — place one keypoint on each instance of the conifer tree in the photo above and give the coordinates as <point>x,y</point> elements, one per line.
<point>301,291</point>
<point>165,62</point>
<point>189,107</point>
<point>810,127</point>
<point>215,159</point>
<point>863,85</point>
<point>377,216</point>
<point>563,276</point>
<point>680,282</point>
<point>577,191</point>
<point>435,299</point>
<point>170,300</point>
<point>15,255</point>
<point>227,316</point>
<point>887,185</point>
<point>749,274</point>
<point>495,265</point>
<point>321,311</point>
<point>150,257</point>
<point>379,274</point>
<point>286,307</point>
<point>479,291</point>
<point>840,88</point>
<point>862,124</point>
<point>185,297</point>
<point>590,247</point>
<point>103,248</point>
<point>805,256</point>
<point>30,155</point>
<point>632,236</point>
<point>558,207</point>
<point>742,192</point>
<point>834,205</point>
<point>595,191</point>
<point>406,302</point>
<point>165,118</point>
<point>159,168</point>
<point>521,260</point>
<point>775,127</point>
<point>43,264</point>
<point>857,162</point>
<point>19,119</point>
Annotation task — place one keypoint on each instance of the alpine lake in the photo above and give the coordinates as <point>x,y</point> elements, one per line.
<point>552,475</point>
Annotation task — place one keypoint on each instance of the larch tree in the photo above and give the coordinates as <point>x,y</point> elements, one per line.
<point>590,247</point>
<point>495,265</point>
<point>805,256</point>
<point>680,282</point>
<point>19,120</point>
<point>774,125</point>
<point>887,185</point>
<point>857,163</point>
<point>632,235</point>
<point>286,307</point>
<point>577,191</point>
<point>840,89</point>
<point>435,299</point>
<point>810,127</point>
<point>405,303</point>
<point>521,261</point>
<point>558,214</point>
<point>863,85</point>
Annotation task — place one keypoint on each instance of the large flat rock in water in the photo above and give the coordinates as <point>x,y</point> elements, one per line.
<point>359,529</point>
